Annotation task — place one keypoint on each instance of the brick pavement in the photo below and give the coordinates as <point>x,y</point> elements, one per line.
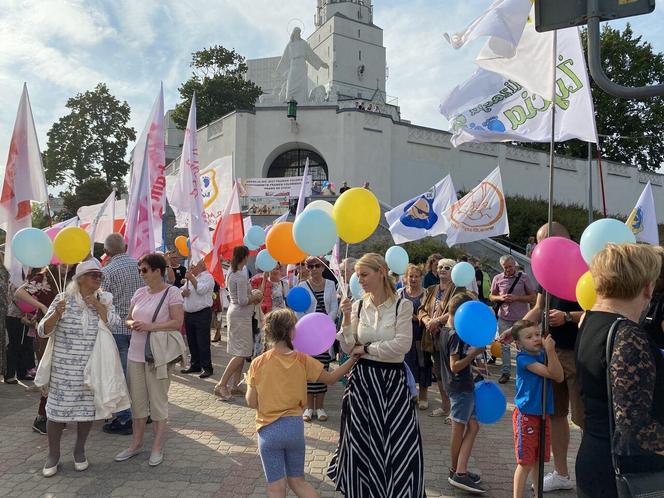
<point>211,450</point>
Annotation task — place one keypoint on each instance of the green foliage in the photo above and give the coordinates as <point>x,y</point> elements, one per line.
<point>420,250</point>
<point>218,80</point>
<point>89,141</point>
<point>92,191</point>
<point>40,217</point>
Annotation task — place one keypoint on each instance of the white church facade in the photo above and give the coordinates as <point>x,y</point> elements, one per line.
<point>352,131</point>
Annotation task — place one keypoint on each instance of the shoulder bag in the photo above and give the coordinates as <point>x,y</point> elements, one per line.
<point>641,485</point>
<point>496,305</point>
<point>149,357</point>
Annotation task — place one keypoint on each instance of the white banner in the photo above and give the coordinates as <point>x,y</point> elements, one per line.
<point>268,187</point>
<point>217,185</point>
<point>480,214</point>
<point>265,206</point>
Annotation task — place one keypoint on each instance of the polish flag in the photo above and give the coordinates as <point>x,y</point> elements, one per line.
<point>24,182</point>
<point>228,234</point>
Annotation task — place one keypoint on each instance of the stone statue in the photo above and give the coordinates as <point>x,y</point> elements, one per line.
<point>293,65</point>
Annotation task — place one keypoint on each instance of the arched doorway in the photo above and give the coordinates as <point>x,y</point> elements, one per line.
<point>291,163</point>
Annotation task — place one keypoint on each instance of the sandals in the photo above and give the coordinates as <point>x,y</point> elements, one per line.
<point>224,396</point>
<point>439,412</point>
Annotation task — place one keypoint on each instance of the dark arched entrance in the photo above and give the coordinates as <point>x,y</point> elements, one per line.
<point>291,163</point>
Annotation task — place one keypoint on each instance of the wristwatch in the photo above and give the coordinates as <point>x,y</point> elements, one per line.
<point>568,317</point>
<point>366,347</point>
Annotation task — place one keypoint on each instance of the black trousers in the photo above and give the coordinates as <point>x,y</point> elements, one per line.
<point>20,348</point>
<point>197,325</point>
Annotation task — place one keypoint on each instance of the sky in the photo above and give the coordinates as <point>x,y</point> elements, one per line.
<point>64,47</point>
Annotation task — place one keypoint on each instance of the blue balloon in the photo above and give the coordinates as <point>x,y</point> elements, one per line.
<point>255,235</point>
<point>251,246</point>
<point>475,323</point>
<point>396,258</point>
<point>315,232</point>
<point>602,232</point>
<point>32,247</point>
<point>355,288</point>
<point>265,262</point>
<point>490,402</point>
<point>463,274</point>
<point>298,299</point>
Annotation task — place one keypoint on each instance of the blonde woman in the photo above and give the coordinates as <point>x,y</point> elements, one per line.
<point>380,434</point>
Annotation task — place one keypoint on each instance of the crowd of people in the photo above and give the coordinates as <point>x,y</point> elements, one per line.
<point>136,319</point>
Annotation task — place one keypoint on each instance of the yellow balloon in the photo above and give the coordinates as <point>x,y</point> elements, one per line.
<point>72,245</point>
<point>585,291</point>
<point>356,214</point>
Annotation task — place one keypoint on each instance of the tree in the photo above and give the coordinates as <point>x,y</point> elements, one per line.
<point>218,80</point>
<point>40,218</point>
<point>90,141</point>
<point>631,131</point>
<point>90,192</point>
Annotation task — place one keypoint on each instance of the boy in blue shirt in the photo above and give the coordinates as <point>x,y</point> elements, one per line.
<point>527,417</point>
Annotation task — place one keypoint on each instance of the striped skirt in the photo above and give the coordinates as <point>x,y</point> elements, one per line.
<point>320,387</point>
<point>380,448</point>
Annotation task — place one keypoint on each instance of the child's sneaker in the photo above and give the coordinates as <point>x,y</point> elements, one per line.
<point>464,482</point>
<point>554,481</point>
<point>476,478</point>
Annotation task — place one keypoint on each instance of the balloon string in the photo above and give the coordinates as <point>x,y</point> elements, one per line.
<point>57,285</point>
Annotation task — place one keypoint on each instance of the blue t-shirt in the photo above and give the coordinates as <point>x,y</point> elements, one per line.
<point>528,396</point>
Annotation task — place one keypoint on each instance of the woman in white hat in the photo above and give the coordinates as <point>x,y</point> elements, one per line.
<point>73,323</point>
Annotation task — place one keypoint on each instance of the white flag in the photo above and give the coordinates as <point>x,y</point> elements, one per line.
<point>187,198</point>
<point>24,182</point>
<point>300,199</point>
<point>504,19</point>
<point>99,220</point>
<point>422,216</point>
<point>490,107</point>
<point>643,220</point>
<point>480,214</point>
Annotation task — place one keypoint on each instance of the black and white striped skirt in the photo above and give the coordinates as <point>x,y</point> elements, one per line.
<point>320,387</point>
<point>380,448</point>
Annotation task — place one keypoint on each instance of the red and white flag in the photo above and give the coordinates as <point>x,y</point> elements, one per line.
<point>147,188</point>
<point>24,182</point>
<point>101,220</point>
<point>228,234</point>
<point>187,196</point>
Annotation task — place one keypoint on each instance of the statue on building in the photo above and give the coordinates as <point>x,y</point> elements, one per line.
<point>293,65</point>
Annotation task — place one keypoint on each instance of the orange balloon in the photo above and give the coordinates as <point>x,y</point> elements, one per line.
<point>181,245</point>
<point>496,349</point>
<point>281,244</point>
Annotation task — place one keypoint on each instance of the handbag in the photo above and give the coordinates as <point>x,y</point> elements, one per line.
<point>149,357</point>
<point>635,485</point>
<point>496,305</point>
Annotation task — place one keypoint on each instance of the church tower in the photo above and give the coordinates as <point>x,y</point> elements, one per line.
<point>352,45</point>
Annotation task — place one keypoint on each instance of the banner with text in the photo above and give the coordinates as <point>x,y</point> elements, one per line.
<point>274,187</point>
<point>265,206</point>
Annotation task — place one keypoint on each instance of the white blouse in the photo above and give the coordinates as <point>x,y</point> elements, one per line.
<point>389,331</point>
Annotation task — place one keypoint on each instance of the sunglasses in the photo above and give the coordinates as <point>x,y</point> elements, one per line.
<point>314,265</point>
<point>143,270</point>
<point>447,268</point>
<point>94,274</point>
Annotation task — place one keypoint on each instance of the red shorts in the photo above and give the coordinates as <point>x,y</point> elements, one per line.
<point>526,437</point>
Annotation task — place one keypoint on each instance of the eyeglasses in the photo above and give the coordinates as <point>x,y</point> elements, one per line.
<point>314,265</point>
<point>143,270</point>
<point>447,268</point>
<point>95,274</point>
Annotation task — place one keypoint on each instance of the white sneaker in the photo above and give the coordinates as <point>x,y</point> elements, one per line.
<point>308,413</point>
<point>554,481</point>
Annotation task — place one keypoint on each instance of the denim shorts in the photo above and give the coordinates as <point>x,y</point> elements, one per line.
<point>462,406</point>
<point>281,446</point>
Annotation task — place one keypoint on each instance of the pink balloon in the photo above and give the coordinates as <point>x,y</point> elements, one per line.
<point>52,232</point>
<point>25,307</point>
<point>557,265</point>
<point>314,333</point>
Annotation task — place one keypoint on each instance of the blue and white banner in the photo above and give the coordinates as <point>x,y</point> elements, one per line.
<point>422,216</point>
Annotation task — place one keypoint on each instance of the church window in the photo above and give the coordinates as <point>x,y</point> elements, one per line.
<point>358,33</point>
<point>360,55</point>
<point>291,163</point>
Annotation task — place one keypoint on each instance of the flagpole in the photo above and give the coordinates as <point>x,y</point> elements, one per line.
<point>547,296</point>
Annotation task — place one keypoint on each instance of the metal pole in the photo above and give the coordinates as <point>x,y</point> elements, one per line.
<point>590,183</point>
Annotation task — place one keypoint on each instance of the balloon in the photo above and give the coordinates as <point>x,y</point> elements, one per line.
<point>490,402</point>
<point>282,246</point>
<point>602,232</point>
<point>298,299</point>
<point>181,245</point>
<point>25,307</point>
<point>463,274</point>
<point>322,205</point>
<point>355,288</point>
<point>496,349</point>
<point>357,214</point>
<point>72,245</point>
<point>255,235</point>
<point>315,232</point>
<point>475,323</point>
<point>265,262</point>
<point>397,259</point>
<point>52,232</point>
<point>33,248</point>
<point>314,333</point>
<point>557,265</point>
<point>248,243</point>
<point>585,291</point>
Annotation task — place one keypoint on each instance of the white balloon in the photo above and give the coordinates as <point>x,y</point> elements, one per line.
<point>320,204</point>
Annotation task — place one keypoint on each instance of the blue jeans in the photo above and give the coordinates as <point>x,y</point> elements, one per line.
<point>503,325</point>
<point>122,342</point>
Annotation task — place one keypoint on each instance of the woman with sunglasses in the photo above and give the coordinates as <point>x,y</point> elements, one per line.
<point>323,295</point>
<point>72,325</point>
<point>156,308</point>
<point>274,287</point>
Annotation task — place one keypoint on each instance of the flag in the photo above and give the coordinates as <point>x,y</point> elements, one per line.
<point>147,186</point>
<point>301,197</point>
<point>504,19</point>
<point>422,216</point>
<point>187,197</point>
<point>643,220</point>
<point>110,216</point>
<point>480,214</point>
<point>217,184</point>
<point>228,234</point>
<point>24,182</point>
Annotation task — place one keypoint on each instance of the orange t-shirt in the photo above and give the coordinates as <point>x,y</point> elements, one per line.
<point>280,381</point>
